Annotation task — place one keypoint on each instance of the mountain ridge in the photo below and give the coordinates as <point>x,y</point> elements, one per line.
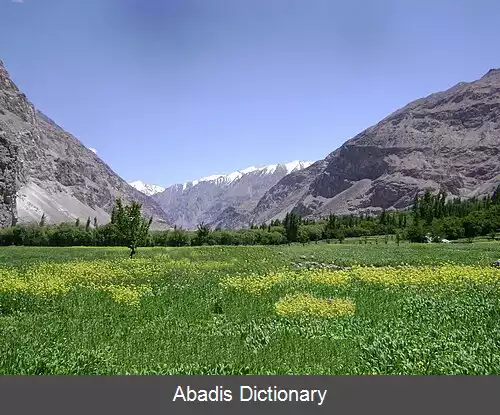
<point>204,199</point>
<point>447,141</point>
<point>46,170</point>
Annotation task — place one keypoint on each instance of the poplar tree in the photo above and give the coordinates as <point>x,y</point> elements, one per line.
<point>291,225</point>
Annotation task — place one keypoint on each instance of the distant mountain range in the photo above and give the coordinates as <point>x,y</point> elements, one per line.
<point>211,199</point>
<point>447,141</point>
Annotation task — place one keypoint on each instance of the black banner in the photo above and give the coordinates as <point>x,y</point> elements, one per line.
<point>249,395</point>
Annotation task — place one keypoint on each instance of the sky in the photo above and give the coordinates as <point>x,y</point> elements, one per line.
<point>171,91</point>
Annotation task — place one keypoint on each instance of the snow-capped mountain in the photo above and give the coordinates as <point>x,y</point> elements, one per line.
<point>231,177</point>
<point>206,199</point>
<point>147,189</point>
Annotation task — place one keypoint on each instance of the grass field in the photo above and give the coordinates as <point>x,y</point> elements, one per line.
<point>409,309</point>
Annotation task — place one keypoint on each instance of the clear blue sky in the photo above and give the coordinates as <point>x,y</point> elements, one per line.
<point>169,91</point>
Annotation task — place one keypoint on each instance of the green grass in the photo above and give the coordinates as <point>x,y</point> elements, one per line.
<point>484,253</point>
<point>191,324</point>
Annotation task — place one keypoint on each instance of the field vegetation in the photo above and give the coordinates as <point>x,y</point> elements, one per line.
<point>383,309</point>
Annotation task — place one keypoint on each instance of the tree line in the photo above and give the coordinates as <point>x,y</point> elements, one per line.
<point>431,216</point>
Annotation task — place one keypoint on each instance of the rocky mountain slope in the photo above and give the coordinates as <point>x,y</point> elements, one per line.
<point>447,141</point>
<point>219,199</point>
<point>44,169</point>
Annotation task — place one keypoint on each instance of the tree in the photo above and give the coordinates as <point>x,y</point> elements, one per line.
<point>383,217</point>
<point>291,224</point>
<point>451,228</point>
<point>178,237</point>
<point>87,225</point>
<point>95,222</point>
<point>416,233</point>
<point>426,207</point>
<point>315,232</point>
<point>472,227</point>
<point>332,222</point>
<point>416,208</point>
<point>224,237</point>
<point>495,199</point>
<point>131,227</point>
<point>303,235</point>
<point>42,221</point>
<point>340,235</point>
<point>203,234</point>
<point>77,222</point>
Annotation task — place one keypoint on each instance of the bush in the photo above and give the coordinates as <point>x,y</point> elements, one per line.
<point>451,228</point>
<point>416,233</point>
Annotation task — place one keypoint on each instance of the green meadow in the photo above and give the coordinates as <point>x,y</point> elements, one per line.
<point>334,309</point>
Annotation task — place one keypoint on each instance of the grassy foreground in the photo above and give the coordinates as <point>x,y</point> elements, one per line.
<point>409,309</point>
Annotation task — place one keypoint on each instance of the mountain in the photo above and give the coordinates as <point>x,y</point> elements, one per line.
<point>211,199</point>
<point>447,141</point>
<point>44,169</point>
<point>147,189</point>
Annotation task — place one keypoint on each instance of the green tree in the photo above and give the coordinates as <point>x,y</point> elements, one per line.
<point>416,233</point>
<point>303,235</point>
<point>42,221</point>
<point>315,232</point>
<point>291,224</point>
<point>77,222</point>
<point>132,228</point>
<point>178,237</point>
<point>398,238</point>
<point>340,235</point>
<point>451,228</point>
<point>383,217</point>
<point>427,207</point>
<point>87,225</point>
<point>495,199</point>
<point>416,208</point>
<point>203,234</point>
<point>472,227</point>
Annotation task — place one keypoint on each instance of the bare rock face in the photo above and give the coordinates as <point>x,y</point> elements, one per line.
<point>9,173</point>
<point>44,169</point>
<point>447,141</point>
<point>231,218</point>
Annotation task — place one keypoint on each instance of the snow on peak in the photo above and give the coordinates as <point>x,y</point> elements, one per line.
<point>248,170</point>
<point>225,179</point>
<point>270,169</point>
<point>147,189</point>
<point>231,177</point>
<point>297,165</point>
<point>236,175</point>
<point>213,177</point>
